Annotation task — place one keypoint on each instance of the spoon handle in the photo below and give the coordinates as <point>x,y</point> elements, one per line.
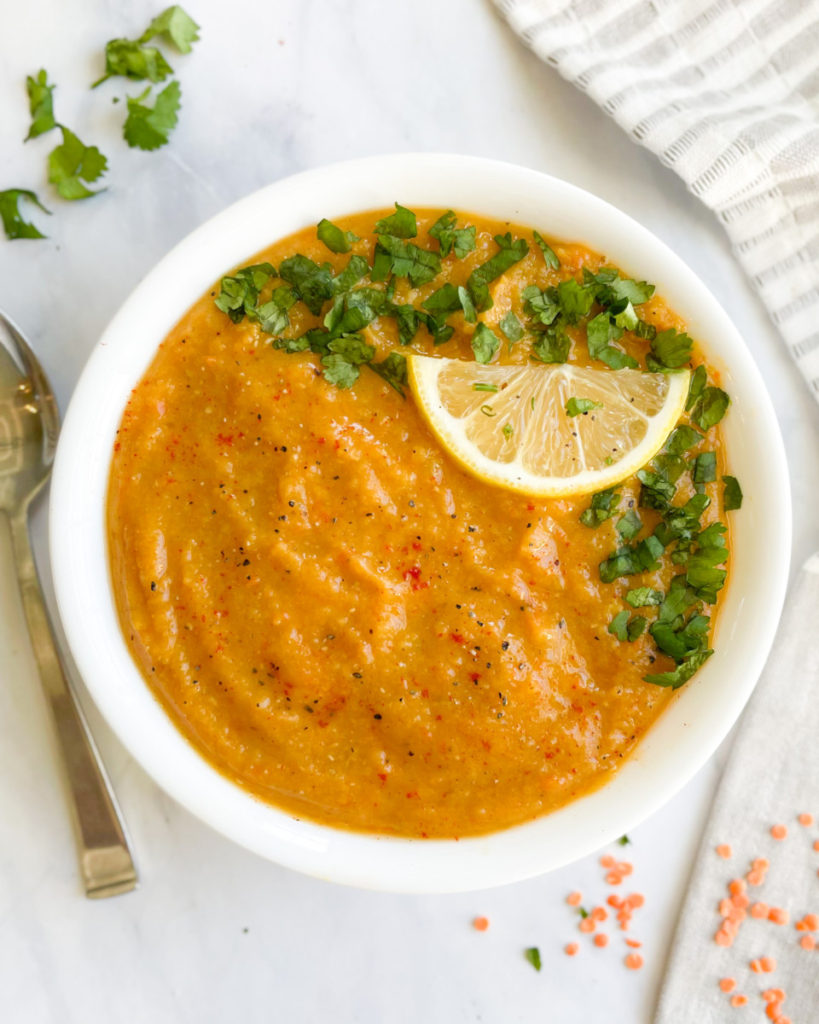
<point>105,860</point>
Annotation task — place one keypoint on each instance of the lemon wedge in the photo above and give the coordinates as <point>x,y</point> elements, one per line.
<point>511,427</point>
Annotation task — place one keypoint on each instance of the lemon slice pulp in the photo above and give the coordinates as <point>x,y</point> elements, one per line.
<point>509,425</point>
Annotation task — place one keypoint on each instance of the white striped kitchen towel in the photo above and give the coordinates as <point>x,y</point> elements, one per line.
<point>726,93</point>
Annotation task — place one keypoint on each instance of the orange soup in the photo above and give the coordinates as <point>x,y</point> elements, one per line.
<point>336,615</point>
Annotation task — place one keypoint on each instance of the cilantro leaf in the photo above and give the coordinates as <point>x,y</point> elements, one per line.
<point>239,293</point>
<point>406,260</point>
<point>72,166</point>
<point>509,253</point>
<point>533,956</point>
<point>438,328</point>
<point>575,300</point>
<point>704,469</point>
<point>670,350</point>
<point>468,307</point>
<point>356,268</point>
<point>600,332</point>
<point>732,493</point>
<point>541,305</point>
<point>313,283</point>
<point>401,224</point>
<point>333,237</point>
<point>131,60</point>
<point>669,466</point>
<point>41,104</point>
<point>629,525</point>
<point>626,629</point>
<point>394,371</point>
<point>642,596</point>
<point>511,327</point>
<point>615,292</point>
<point>578,406</point>
<point>485,343</point>
<point>695,388</point>
<point>549,254</point>
<point>681,439</point>
<point>272,315</point>
<point>175,26</point>
<point>149,127</point>
<point>710,408</point>
<point>551,345</point>
<point>346,354</point>
<point>682,673</point>
<point>603,506</point>
<point>462,240</point>
<point>443,300</point>
<point>13,223</point>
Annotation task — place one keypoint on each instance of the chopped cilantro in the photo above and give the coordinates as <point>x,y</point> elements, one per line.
<point>41,104</point>
<point>732,493</point>
<point>356,268</point>
<point>333,237</point>
<point>346,354</point>
<point>670,350</point>
<point>461,240</point>
<point>394,371</point>
<point>551,345</point>
<point>272,315</point>
<point>578,406</point>
<point>13,223</point>
<point>508,430</point>
<point>575,299</point>
<point>443,300</point>
<point>408,260</point>
<point>149,127</point>
<point>629,525</point>
<point>600,333</point>
<point>627,629</point>
<point>624,841</point>
<point>470,313</point>
<point>509,253</point>
<point>705,468</point>
<point>669,466</point>
<point>72,166</point>
<point>642,596</point>
<point>711,406</point>
<point>682,673</point>
<point>681,439</point>
<point>239,293</point>
<point>401,224</point>
<point>485,387</point>
<point>695,388</point>
<point>603,506</point>
<point>485,343</point>
<point>533,956</point>
<point>313,283</point>
<point>541,305</point>
<point>511,327</point>
<point>549,254</point>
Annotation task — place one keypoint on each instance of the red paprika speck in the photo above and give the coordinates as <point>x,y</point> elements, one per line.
<point>416,546</point>
<point>457,638</point>
<point>475,676</point>
<point>413,572</point>
<point>225,439</point>
<point>382,776</point>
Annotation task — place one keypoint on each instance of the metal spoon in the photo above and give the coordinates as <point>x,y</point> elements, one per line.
<point>29,424</point>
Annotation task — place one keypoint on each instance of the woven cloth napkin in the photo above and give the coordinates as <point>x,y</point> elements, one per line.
<point>726,93</point>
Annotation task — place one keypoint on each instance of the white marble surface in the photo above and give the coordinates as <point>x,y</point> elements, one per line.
<point>214,933</point>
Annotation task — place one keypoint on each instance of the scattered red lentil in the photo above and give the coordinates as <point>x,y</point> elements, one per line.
<point>601,940</point>
<point>587,925</point>
<point>725,851</point>
<point>778,831</point>
<point>634,943</point>
<point>738,1000</point>
<point>633,961</point>
<point>480,924</point>
<point>778,915</point>
<point>759,910</point>
<point>809,923</point>
<point>599,913</point>
<point>763,965</point>
<point>816,844</point>
<point>574,898</point>
<point>571,949</point>
<point>805,818</point>
<point>807,942</point>
<point>727,984</point>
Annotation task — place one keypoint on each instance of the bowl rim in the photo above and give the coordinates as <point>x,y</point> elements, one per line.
<point>676,746</point>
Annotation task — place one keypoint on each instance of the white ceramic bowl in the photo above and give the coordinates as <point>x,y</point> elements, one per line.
<point>678,744</point>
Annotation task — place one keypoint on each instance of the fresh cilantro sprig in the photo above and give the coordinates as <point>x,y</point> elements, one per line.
<point>132,58</point>
<point>581,406</point>
<point>73,166</point>
<point>149,127</point>
<point>461,241</point>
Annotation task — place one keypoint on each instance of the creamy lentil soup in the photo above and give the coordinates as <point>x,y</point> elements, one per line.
<point>338,617</point>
